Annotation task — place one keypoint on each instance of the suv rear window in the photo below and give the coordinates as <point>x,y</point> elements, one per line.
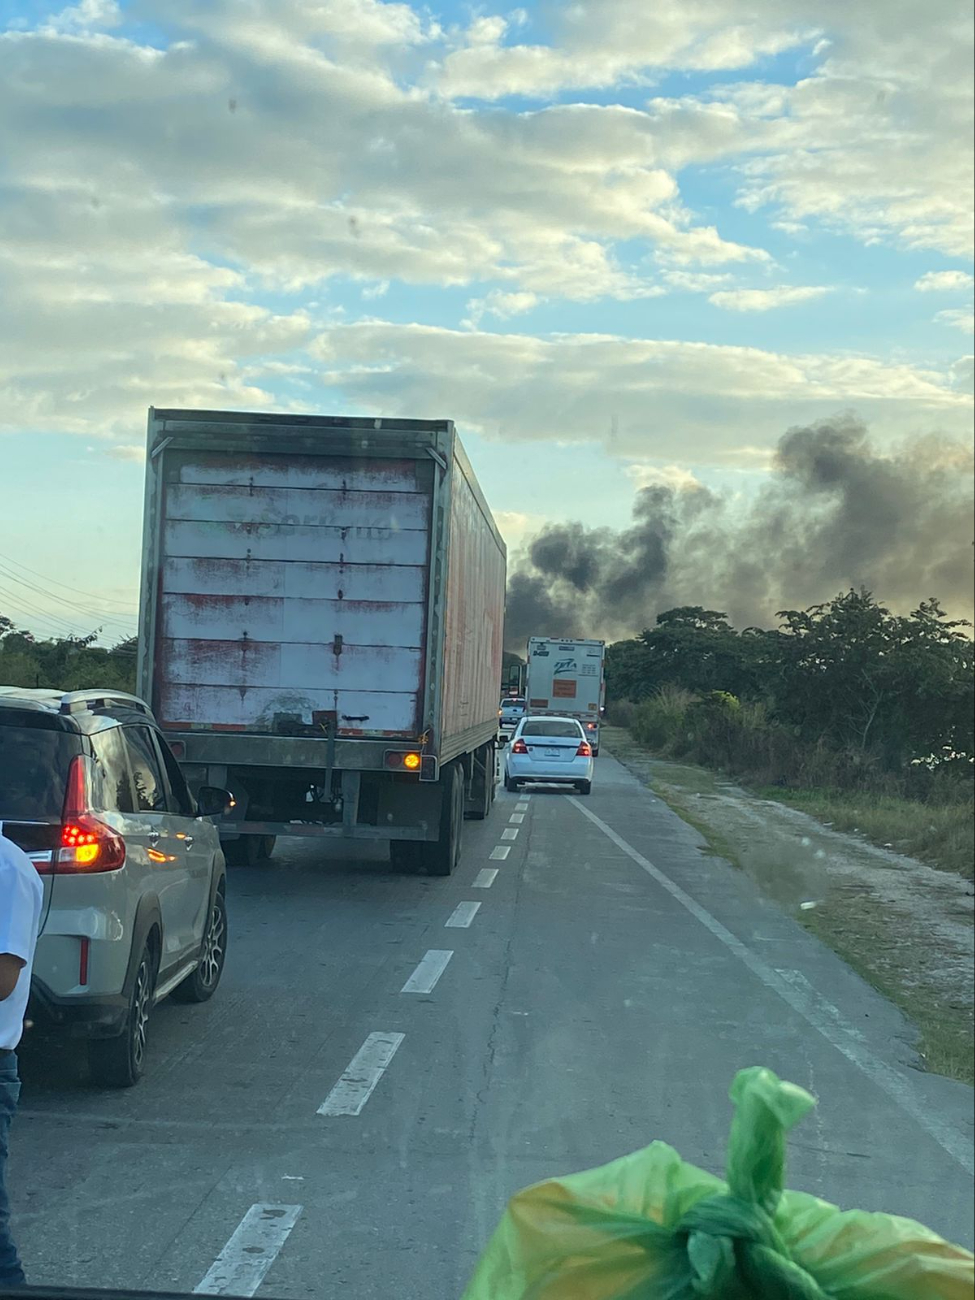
<point>547,727</point>
<point>512,704</point>
<point>34,765</point>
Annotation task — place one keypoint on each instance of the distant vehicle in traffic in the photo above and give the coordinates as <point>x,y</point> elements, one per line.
<point>134,878</point>
<point>549,750</point>
<point>512,711</point>
<point>565,678</point>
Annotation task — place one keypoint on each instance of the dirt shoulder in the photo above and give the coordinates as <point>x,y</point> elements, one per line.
<point>904,926</point>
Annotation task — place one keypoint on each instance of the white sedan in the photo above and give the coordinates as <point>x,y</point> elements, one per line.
<point>549,751</point>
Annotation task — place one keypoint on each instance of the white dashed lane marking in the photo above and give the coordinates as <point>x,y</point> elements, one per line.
<point>241,1266</point>
<point>517,818</point>
<point>462,915</point>
<point>424,978</point>
<point>364,1071</point>
<point>510,833</point>
<point>485,878</point>
<point>500,853</point>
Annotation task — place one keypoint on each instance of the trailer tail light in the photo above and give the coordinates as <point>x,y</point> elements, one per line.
<point>178,748</point>
<point>584,750</point>
<point>519,747</point>
<point>397,761</point>
<point>87,844</point>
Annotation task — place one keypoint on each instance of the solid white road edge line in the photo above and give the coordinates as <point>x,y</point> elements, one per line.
<point>431,967</point>
<point>810,1004</point>
<point>462,915</point>
<point>241,1266</point>
<point>485,877</point>
<point>364,1071</point>
<point>510,833</point>
<point>499,853</point>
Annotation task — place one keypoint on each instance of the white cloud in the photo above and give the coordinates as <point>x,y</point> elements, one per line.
<point>89,15</point>
<point>691,402</point>
<point>606,41</point>
<point>765,299</point>
<point>672,476</point>
<point>944,282</point>
<point>500,305</point>
<point>696,281</point>
<point>959,318</point>
<point>377,290</point>
<point>516,527</point>
<point>121,451</point>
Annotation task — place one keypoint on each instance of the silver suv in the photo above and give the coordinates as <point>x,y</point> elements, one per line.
<point>134,879</point>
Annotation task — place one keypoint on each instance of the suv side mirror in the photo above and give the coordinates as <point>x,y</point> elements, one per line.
<point>212,801</point>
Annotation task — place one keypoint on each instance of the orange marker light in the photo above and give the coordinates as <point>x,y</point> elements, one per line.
<point>411,761</point>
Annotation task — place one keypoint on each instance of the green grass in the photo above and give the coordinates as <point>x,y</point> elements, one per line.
<point>942,835</point>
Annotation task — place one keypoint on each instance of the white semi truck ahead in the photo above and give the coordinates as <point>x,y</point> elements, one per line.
<point>565,677</point>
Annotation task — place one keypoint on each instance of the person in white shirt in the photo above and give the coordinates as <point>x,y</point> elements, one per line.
<point>21,895</point>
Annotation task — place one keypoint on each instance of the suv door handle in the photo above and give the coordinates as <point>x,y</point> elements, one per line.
<point>153,838</point>
<point>188,841</point>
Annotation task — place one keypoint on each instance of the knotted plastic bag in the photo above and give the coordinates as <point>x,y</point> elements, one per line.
<point>652,1227</point>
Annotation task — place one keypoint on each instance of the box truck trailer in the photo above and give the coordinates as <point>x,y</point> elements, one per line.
<point>565,677</point>
<point>321,625</point>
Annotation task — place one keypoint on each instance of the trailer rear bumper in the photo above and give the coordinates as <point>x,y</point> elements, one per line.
<point>336,830</point>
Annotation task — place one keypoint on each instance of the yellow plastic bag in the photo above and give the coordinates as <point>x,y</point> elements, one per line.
<point>652,1227</point>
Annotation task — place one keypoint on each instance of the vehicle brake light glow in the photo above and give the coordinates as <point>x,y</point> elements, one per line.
<point>519,747</point>
<point>87,844</point>
<point>584,750</point>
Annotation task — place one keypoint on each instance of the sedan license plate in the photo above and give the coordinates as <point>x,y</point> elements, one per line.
<point>550,753</point>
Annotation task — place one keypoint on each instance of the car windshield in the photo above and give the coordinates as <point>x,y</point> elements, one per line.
<point>361,360</point>
<point>550,727</point>
<point>33,770</point>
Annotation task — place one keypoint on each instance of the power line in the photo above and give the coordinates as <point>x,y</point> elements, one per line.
<point>62,602</point>
<point>77,590</point>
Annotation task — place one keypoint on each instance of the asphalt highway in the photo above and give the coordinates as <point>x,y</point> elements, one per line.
<point>391,1055</point>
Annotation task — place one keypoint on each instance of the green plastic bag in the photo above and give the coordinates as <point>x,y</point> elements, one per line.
<point>652,1227</point>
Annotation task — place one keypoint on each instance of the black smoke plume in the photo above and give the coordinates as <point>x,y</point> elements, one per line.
<point>837,512</point>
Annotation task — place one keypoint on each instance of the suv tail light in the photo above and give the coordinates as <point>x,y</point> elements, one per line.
<point>519,747</point>
<point>584,750</point>
<point>87,844</point>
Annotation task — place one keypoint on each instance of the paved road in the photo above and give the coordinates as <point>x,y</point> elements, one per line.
<point>610,981</point>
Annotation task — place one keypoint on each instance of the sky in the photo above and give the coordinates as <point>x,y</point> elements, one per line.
<point>622,245</point>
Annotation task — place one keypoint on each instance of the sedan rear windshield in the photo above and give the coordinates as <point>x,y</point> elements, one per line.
<point>548,727</point>
<point>33,770</point>
<point>512,704</point>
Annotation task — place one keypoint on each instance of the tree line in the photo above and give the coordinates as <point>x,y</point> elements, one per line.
<point>845,684</point>
<point>64,663</point>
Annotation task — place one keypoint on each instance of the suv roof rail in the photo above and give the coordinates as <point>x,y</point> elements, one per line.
<point>76,701</point>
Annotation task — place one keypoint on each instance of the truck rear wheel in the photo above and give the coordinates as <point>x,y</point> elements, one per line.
<point>406,855</point>
<point>482,783</point>
<point>444,854</point>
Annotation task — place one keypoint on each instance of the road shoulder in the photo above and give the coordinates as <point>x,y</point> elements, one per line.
<point>904,926</point>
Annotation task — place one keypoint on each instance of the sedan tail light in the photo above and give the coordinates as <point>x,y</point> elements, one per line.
<point>87,844</point>
<point>519,747</point>
<point>584,750</point>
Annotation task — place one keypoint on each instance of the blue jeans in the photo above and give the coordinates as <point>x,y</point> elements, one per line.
<point>11,1273</point>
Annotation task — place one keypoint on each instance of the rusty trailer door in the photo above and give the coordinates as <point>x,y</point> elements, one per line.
<point>293,593</point>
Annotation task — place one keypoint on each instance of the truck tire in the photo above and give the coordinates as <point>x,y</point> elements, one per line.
<point>247,850</point>
<point>444,854</point>
<point>406,855</point>
<point>485,795</point>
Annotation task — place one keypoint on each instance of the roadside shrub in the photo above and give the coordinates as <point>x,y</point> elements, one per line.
<point>661,719</point>
<point>622,713</point>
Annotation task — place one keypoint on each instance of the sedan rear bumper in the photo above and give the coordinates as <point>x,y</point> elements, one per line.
<point>524,767</point>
